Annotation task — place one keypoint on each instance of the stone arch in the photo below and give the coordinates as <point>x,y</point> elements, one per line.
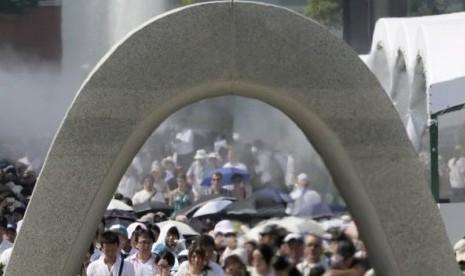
<point>253,50</point>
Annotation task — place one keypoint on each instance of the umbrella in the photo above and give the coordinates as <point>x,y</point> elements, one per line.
<point>291,224</point>
<point>119,209</point>
<point>190,210</point>
<point>119,205</point>
<point>185,229</point>
<point>270,196</point>
<point>152,206</point>
<point>228,174</point>
<point>212,208</point>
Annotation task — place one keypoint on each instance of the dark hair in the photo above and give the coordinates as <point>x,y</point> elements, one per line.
<point>218,174</point>
<point>196,248</point>
<point>109,237</point>
<point>20,210</point>
<point>3,222</point>
<point>149,177</point>
<point>345,249</point>
<point>144,233</point>
<point>267,252</point>
<point>183,176</point>
<point>173,231</point>
<point>127,200</point>
<point>165,255</point>
<point>280,263</point>
<point>234,259</point>
<point>155,228</point>
<point>118,196</point>
<point>317,270</point>
<point>204,240</point>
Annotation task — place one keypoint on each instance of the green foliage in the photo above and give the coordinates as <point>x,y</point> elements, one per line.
<point>187,2</point>
<point>326,12</point>
<point>427,7</point>
<point>16,6</point>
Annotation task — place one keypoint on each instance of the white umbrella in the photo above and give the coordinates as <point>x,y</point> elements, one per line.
<point>291,224</point>
<point>182,227</point>
<point>118,205</point>
<point>212,207</point>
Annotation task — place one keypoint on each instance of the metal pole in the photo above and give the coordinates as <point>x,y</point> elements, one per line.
<point>434,137</point>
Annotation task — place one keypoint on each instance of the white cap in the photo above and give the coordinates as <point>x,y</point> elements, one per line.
<point>132,227</point>
<point>292,236</point>
<point>200,154</point>
<point>302,176</point>
<point>224,227</point>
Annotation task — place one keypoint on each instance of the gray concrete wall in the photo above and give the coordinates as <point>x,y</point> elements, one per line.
<point>255,51</point>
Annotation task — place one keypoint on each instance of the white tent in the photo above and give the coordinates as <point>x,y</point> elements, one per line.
<point>419,61</point>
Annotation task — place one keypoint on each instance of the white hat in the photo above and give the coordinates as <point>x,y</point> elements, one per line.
<point>224,227</point>
<point>200,154</point>
<point>166,160</point>
<point>292,236</point>
<point>183,253</point>
<point>302,177</point>
<point>459,249</point>
<point>133,226</point>
<point>213,155</point>
<point>156,166</point>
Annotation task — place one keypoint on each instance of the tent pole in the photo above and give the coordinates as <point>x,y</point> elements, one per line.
<point>434,137</point>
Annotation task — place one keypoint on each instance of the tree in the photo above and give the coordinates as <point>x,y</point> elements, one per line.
<point>326,12</point>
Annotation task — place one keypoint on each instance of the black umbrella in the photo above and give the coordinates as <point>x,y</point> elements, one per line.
<point>120,214</point>
<point>152,206</point>
<point>190,210</point>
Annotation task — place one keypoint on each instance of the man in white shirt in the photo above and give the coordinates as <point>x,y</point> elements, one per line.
<point>304,198</point>
<point>111,264</point>
<point>4,244</point>
<point>184,146</point>
<point>148,192</point>
<point>143,261</point>
<point>313,252</point>
<point>197,172</point>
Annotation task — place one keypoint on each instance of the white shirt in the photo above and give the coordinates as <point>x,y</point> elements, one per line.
<point>215,269</point>
<point>236,165</point>
<point>99,268</point>
<point>5,257</point>
<point>197,172</point>
<point>148,268</point>
<point>185,142</point>
<point>144,196</point>
<point>457,172</point>
<point>4,245</point>
<point>304,201</point>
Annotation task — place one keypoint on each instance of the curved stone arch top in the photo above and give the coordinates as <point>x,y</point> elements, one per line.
<point>257,51</point>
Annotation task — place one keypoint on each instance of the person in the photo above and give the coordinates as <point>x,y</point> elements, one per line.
<point>148,192</point>
<point>216,185</point>
<point>213,162</point>
<point>10,232</point>
<point>143,260</point>
<point>262,257</point>
<point>124,241</point>
<point>170,239</point>
<point>249,247</point>
<point>184,144</point>
<point>198,261</point>
<point>181,197</point>
<point>273,236</point>
<point>293,248</point>
<point>305,199</point>
<point>232,246</point>
<point>4,243</point>
<point>238,190</point>
<point>313,251</point>
<point>207,243</point>
<point>111,264</point>
<point>159,182</point>
<point>233,266</point>
<point>233,162</point>
<point>165,262</point>
<point>197,172</point>
<point>282,267</point>
<point>171,173</point>
<point>457,175</point>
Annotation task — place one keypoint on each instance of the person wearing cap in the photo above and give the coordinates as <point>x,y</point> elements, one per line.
<point>232,247</point>
<point>197,172</point>
<point>111,264</point>
<point>213,162</point>
<point>305,199</point>
<point>233,161</point>
<point>4,243</point>
<point>292,248</point>
<point>169,166</point>
<point>124,241</point>
<point>10,232</point>
<point>148,192</point>
<point>313,252</point>
<point>183,256</point>
<point>272,235</point>
<point>132,228</point>
<point>143,260</point>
